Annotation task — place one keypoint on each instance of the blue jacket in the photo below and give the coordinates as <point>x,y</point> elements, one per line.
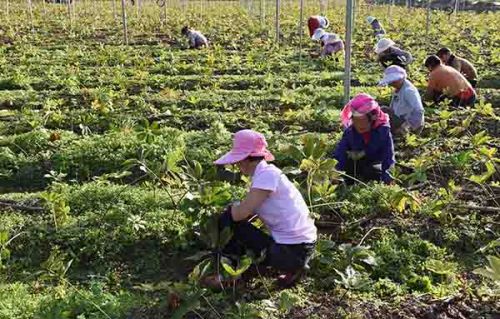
<point>380,148</point>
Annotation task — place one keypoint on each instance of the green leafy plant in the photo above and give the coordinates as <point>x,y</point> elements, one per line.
<point>56,266</point>
<point>5,241</point>
<point>319,169</point>
<point>492,270</point>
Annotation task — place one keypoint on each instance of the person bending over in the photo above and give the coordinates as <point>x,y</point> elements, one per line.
<point>447,83</point>
<point>406,110</point>
<point>196,39</point>
<point>460,64</point>
<point>330,42</point>
<point>389,54</point>
<point>378,29</point>
<point>317,22</point>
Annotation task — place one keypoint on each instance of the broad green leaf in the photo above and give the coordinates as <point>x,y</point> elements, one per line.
<point>198,170</point>
<point>191,303</point>
<point>402,204</point>
<point>4,237</point>
<point>481,179</point>
<point>245,263</point>
<point>491,271</point>
<point>225,236</point>
<point>307,165</point>
<point>440,267</point>
<point>200,269</point>
<point>287,301</point>
<point>493,244</point>
<point>480,138</point>
<point>370,260</point>
<point>309,146</point>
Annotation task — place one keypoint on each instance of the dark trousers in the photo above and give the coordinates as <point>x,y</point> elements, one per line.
<point>395,120</point>
<point>457,101</point>
<point>363,170</point>
<point>247,237</point>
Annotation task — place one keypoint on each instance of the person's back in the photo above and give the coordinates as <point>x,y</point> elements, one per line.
<point>395,56</point>
<point>407,105</point>
<point>460,64</point>
<point>317,22</point>
<point>197,39</point>
<point>448,81</point>
<point>331,44</point>
<point>463,66</point>
<point>378,29</point>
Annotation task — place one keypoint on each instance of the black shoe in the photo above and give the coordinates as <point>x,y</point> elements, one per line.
<point>290,279</point>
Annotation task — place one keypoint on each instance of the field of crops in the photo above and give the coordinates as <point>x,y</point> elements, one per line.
<point>106,171</point>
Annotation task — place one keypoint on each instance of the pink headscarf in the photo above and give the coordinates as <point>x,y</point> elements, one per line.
<point>364,104</point>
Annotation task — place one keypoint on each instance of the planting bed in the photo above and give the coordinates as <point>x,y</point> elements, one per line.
<point>106,174</point>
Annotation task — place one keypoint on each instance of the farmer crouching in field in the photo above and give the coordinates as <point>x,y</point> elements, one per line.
<point>447,83</point>
<point>366,150</point>
<point>389,54</point>
<point>317,22</point>
<point>330,42</point>
<point>405,111</point>
<point>280,206</point>
<point>378,29</point>
<point>196,39</point>
<point>460,64</point>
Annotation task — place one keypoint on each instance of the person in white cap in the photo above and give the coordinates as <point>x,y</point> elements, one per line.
<point>406,110</point>
<point>196,39</point>
<point>317,22</point>
<point>389,54</point>
<point>330,42</point>
<point>277,202</point>
<point>377,27</point>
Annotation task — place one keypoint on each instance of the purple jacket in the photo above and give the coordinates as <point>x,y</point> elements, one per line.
<point>380,148</point>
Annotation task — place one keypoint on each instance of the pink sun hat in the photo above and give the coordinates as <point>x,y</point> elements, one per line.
<point>246,143</point>
<point>363,104</point>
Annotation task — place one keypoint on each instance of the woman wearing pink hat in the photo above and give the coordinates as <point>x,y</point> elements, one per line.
<point>366,150</point>
<point>277,202</point>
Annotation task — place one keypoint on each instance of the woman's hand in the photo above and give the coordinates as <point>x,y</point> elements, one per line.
<point>246,208</point>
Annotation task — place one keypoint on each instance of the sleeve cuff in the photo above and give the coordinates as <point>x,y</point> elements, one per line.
<point>386,177</point>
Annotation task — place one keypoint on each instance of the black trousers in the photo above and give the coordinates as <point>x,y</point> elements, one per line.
<point>395,120</point>
<point>247,237</point>
<point>363,170</point>
<point>456,102</point>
